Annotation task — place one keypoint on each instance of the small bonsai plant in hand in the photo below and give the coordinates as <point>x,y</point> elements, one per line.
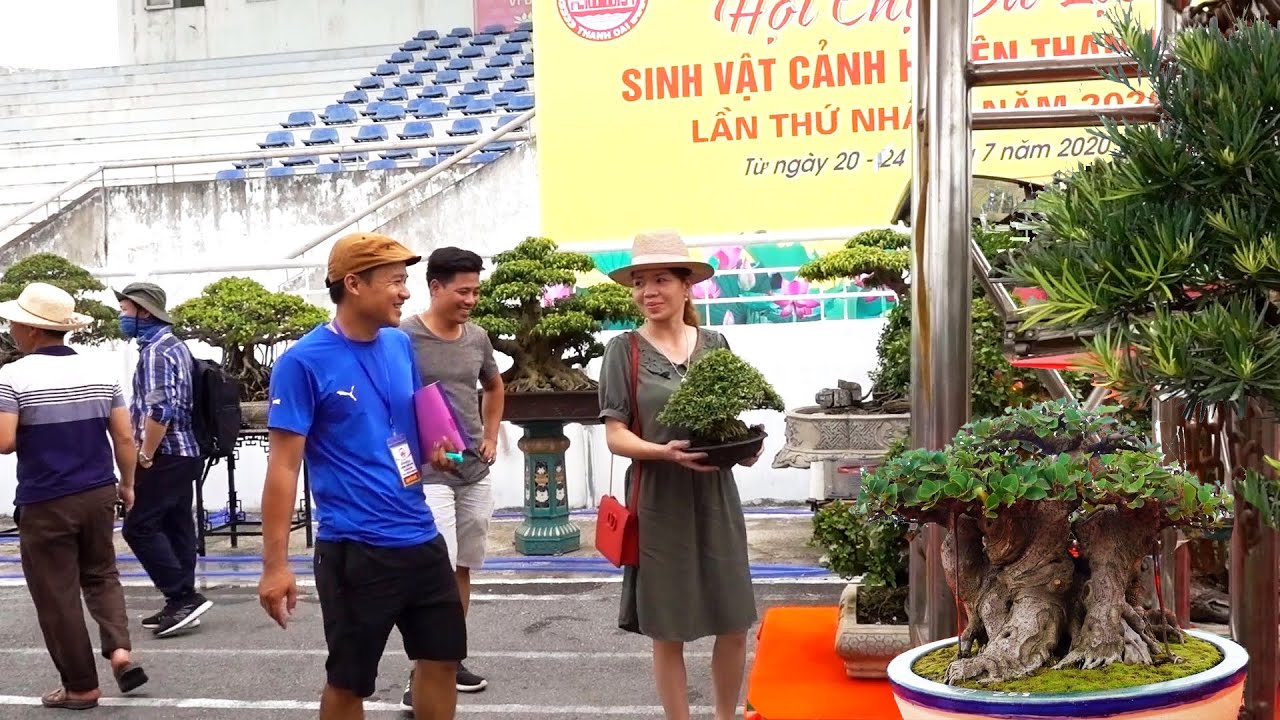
<point>718,388</point>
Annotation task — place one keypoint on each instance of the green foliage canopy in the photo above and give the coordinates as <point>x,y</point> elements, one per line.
<point>62,273</point>
<point>718,388</point>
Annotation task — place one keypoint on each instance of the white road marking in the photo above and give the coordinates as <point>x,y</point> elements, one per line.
<point>314,706</point>
<point>321,652</point>
<point>249,581</point>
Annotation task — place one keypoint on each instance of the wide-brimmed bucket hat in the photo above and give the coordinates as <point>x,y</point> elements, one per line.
<point>661,249</point>
<point>149,297</point>
<point>44,306</point>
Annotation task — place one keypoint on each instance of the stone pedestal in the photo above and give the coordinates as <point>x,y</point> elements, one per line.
<point>546,529</point>
<point>867,649</point>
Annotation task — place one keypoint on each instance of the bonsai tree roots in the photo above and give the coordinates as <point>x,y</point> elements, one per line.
<point>549,340</point>
<point>718,388</point>
<point>1018,492</point>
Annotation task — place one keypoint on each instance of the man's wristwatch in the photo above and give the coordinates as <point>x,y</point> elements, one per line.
<point>143,460</point>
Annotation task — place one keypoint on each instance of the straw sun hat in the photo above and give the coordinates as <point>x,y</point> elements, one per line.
<point>663,249</point>
<point>46,307</point>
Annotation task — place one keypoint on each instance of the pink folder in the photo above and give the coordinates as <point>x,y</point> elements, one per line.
<point>436,421</point>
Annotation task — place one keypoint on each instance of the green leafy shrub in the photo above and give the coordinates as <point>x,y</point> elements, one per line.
<point>718,388</point>
<point>62,273</point>
<point>549,341</point>
<point>247,323</point>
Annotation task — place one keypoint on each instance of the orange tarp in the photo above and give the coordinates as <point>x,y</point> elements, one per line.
<point>798,676</point>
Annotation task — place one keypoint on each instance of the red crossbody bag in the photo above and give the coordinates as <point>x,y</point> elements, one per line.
<point>618,526</point>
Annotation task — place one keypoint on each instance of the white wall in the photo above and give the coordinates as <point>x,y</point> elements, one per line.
<point>848,352</point>
<point>227,28</point>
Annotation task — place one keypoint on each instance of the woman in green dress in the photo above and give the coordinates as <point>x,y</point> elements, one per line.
<point>693,579</point>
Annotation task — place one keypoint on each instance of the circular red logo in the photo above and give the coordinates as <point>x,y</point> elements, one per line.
<point>601,20</point>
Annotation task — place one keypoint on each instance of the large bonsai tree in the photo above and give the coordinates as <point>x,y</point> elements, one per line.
<point>1017,491</point>
<point>248,323</point>
<point>549,336</point>
<point>718,388</point>
<point>60,272</point>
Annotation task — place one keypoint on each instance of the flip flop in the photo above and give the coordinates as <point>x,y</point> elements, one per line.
<point>130,677</point>
<point>58,699</point>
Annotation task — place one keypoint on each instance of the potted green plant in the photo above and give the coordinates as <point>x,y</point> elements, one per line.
<point>532,314</point>
<point>718,388</point>
<point>1051,510</point>
<point>60,272</point>
<point>248,323</point>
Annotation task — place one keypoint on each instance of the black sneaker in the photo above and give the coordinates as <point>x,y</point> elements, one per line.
<point>153,622</point>
<point>407,699</point>
<point>468,681</point>
<point>183,615</point>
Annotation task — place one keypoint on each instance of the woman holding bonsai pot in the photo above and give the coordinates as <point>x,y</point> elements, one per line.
<point>693,579</point>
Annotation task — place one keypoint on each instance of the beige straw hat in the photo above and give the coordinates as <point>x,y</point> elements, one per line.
<point>44,306</point>
<point>661,249</point>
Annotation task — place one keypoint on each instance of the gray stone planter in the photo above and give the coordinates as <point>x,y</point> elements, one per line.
<point>816,436</point>
<point>867,649</point>
<point>253,414</point>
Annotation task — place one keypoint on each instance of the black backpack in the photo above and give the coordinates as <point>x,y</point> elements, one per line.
<point>216,410</point>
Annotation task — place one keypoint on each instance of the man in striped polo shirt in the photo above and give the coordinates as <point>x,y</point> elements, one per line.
<point>63,413</point>
<point>161,528</point>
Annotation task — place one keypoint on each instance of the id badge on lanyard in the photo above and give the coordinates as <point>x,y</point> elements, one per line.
<point>397,444</point>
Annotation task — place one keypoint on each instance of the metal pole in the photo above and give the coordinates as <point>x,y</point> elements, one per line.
<point>1062,117</point>
<point>1033,71</point>
<point>941,269</point>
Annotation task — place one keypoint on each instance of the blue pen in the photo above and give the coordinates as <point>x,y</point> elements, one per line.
<point>454,456</point>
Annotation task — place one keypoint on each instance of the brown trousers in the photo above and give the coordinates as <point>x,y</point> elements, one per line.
<point>68,546</point>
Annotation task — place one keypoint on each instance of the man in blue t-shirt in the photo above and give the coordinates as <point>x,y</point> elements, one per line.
<point>342,398</point>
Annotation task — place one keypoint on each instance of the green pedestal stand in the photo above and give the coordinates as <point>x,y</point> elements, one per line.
<point>546,529</point>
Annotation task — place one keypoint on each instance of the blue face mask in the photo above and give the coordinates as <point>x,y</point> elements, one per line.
<point>132,327</point>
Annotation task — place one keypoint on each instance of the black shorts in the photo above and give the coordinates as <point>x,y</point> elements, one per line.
<point>365,591</point>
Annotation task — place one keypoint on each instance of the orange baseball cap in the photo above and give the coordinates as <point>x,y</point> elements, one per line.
<point>358,252</point>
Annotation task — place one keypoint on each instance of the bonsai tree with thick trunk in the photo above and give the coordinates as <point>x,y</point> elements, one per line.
<point>549,336</point>
<point>60,272</point>
<point>1052,509</point>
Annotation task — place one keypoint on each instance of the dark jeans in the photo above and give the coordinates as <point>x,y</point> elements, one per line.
<point>67,548</point>
<point>161,528</point>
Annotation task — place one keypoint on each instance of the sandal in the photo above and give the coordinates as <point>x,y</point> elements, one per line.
<point>59,699</point>
<point>130,677</point>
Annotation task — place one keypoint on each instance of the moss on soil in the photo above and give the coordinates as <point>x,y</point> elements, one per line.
<point>1197,654</point>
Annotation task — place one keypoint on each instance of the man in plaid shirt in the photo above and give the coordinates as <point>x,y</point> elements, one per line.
<point>160,528</point>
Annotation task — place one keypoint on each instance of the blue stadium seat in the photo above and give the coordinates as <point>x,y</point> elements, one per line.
<point>235,174</point>
<point>505,120</point>
<point>329,168</point>
<point>394,94</point>
<point>438,55</point>
<point>298,161</point>
<point>400,57</point>
<point>460,32</point>
<point>409,80</point>
<point>523,72</point>
<point>372,133</point>
<point>519,36</point>
<point>495,29</point>
<point>414,45</point>
<point>500,146</point>
<point>354,97</point>
<point>389,113</point>
<point>423,67</point>
<point>399,154</point>
<point>478,106</point>
<point>279,172</point>
<point>386,70</point>
<point>254,163</point>
<point>482,39</point>
<point>501,99</point>
<point>483,158</point>
<point>277,139</point>
<point>322,136</point>
<point>470,53</point>
<point>459,64</point>
<point>350,157</point>
<point>382,165</point>
<point>524,27</point>
<point>428,108</point>
<point>510,48</point>
<point>432,92</point>
<point>515,86</point>
<point>447,150</point>
<point>465,126</point>
<point>520,103</point>
<point>372,108</point>
<point>427,35</point>
<point>458,102</point>
<point>299,118</point>
<point>369,82</point>
<point>474,88</point>
<point>339,115</point>
<point>488,74</point>
<point>448,77</point>
<point>499,61</point>
<point>416,130</point>
<point>527,59</point>
<point>429,161</point>
<point>448,43</point>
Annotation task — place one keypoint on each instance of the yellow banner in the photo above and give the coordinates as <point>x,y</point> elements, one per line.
<point>725,116</point>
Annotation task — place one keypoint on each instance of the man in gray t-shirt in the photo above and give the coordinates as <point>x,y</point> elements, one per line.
<point>457,354</point>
